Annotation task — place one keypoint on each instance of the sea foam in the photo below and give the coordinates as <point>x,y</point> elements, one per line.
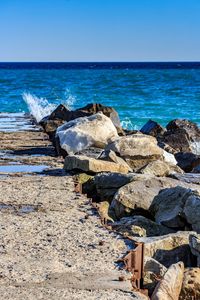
<point>38,107</point>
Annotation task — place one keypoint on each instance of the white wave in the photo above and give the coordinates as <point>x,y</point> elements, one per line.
<point>38,107</point>
<point>128,124</point>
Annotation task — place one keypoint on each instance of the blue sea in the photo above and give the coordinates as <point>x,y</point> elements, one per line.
<point>138,91</point>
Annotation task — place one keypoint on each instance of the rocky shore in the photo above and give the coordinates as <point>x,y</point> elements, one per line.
<point>89,193</point>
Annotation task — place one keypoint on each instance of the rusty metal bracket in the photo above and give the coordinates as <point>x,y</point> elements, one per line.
<point>78,187</point>
<point>134,263</point>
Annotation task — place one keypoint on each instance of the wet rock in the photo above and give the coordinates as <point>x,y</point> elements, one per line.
<point>110,155</point>
<point>140,226</point>
<point>170,286</point>
<point>160,168</point>
<point>137,150</point>
<point>169,249</point>
<point>153,128</point>
<point>91,165</point>
<point>191,284</point>
<point>183,136</point>
<point>194,242</point>
<point>187,161</point>
<point>177,207</point>
<point>97,130</point>
<point>153,273</point>
<point>140,193</point>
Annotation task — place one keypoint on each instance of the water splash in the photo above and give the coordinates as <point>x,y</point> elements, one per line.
<point>69,99</point>
<point>38,107</point>
<point>128,124</point>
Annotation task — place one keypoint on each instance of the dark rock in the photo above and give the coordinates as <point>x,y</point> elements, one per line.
<point>105,185</point>
<point>183,136</point>
<point>187,161</point>
<point>153,128</point>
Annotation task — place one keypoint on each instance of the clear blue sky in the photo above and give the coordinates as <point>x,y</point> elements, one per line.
<point>99,30</point>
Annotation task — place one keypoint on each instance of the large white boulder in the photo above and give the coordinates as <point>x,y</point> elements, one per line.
<point>96,130</point>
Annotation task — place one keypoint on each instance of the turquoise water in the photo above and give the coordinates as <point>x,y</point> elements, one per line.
<point>138,94</point>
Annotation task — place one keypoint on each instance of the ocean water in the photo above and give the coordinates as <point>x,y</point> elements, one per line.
<point>138,91</point>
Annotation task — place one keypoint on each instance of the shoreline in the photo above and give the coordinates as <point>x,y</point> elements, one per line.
<point>90,214</point>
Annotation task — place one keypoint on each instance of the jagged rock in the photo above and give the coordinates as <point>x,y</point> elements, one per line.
<point>153,128</point>
<point>170,286</point>
<point>108,111</point>
<point>167,207</point>
<point>183,136</point>
<point>177,207</point>
<point>96,130</point>
<point>160,168</point>
<point>50,126</point>
<point>105,185</point>
<point>194,242</point>
<point>191,284</point>
<point>88,164</point>
<point>139,194</point>
<point>187,161</point>
<point>153,273</point>
<point>110,155</point>
<point>136,149</point>
<point>140,226</point>
<point>169,249</point>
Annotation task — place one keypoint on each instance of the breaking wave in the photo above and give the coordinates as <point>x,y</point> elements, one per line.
<point>128,124</point>
<point>38,107</point>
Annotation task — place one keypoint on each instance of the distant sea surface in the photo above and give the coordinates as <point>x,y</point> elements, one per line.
<point>138,91</point>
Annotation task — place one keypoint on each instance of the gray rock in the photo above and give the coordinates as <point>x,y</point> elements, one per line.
<point>140,226</point>
<point>160,168</point>
<point>140,193</point>
<point>167,207</point>
<point>177,207</point>
<point>187,177</point>
<point>194,242</point>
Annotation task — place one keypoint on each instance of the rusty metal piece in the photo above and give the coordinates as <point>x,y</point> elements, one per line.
<point>134,263</point>
<point>78,187</point>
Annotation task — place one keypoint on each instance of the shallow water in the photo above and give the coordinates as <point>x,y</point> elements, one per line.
<point>18,168</point>
<point>137,91</point>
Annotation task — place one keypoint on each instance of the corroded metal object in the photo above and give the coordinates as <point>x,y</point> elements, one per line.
<point>134,263</point>
<point>78,187</point>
